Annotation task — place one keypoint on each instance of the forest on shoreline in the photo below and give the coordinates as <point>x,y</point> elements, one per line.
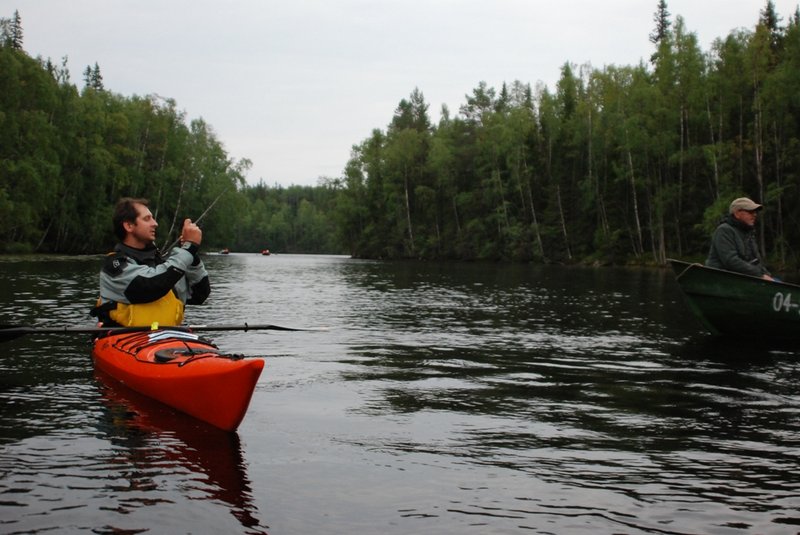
<point>616,165</point>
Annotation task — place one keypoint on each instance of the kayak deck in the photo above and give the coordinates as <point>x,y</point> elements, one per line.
<point>179,369</point>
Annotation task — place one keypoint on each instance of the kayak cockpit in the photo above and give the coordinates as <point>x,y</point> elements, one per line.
<point>164,346</point>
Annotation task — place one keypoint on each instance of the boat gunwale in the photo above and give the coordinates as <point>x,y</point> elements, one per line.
<point>687,266</point>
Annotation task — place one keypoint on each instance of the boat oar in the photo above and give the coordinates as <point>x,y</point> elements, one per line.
<point>11,332</point>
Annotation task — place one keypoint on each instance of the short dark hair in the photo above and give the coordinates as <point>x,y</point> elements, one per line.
<point>125,211</point>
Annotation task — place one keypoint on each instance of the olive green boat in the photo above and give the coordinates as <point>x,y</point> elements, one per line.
<point>737,305</point>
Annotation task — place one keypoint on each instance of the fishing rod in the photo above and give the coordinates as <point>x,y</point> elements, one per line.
<point>196,221</point>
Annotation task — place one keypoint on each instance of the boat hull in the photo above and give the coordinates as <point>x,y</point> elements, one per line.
<point>182,371</point>
<point>738,305</point>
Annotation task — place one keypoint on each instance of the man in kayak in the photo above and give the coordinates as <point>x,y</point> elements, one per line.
<point>733,245</point>
<point>138,286</point>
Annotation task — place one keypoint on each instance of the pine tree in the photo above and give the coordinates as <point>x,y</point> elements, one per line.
<point>16,31</point>
<point>661,18</point>
<point>770,20</point>
<point>97,78</point>
<point>92,78</point>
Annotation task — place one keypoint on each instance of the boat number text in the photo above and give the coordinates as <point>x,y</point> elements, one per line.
<point>783,301</point>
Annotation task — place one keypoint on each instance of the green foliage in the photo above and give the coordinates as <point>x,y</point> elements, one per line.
<point>67,156</point>
<point>618,163</point>
<point>614,165</point>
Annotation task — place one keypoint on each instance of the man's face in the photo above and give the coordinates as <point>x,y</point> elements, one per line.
<point>142,232</point>
<point>748,217</point>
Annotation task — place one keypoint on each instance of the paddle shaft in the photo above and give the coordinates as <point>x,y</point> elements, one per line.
<point>10,332</point>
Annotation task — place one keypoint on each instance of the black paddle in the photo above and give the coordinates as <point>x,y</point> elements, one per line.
<point>11,332</point>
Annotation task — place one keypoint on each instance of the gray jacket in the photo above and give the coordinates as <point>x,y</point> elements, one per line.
<point>134,276</point>
<point>734,248</point>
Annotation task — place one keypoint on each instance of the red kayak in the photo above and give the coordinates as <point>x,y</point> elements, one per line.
<point>179,369</point>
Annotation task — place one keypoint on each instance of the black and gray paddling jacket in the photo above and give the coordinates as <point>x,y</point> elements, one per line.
<point>140,287</point>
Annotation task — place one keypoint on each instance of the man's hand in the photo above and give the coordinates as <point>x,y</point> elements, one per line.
<point>191,232</point>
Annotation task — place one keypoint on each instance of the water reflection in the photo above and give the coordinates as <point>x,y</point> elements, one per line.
<point>445,398</point>
<point>614,415</point>
<point>155,440</point>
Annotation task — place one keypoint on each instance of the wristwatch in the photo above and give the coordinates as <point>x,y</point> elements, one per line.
<point>191,247</point>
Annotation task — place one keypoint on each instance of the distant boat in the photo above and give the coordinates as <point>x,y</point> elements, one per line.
<point>738,305</point>
<point>265,252</point>
<point>225,251</point>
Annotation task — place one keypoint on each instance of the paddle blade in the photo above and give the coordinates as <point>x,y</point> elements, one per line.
<point>12,332</point>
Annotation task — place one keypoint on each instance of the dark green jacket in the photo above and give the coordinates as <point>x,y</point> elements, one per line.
<point>733,248</point>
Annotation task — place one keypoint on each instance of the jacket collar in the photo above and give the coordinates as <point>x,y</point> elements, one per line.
<point>149,253</point>
<point>732,221</point>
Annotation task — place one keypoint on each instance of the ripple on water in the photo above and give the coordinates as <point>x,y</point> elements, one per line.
<point>442,399</point>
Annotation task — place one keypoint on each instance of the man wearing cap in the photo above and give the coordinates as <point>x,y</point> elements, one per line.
<point>733,245</point>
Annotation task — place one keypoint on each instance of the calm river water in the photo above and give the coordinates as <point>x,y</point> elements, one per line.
<point>442,399</point>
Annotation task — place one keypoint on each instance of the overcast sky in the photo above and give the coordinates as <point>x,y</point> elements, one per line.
<point>292,85</point>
